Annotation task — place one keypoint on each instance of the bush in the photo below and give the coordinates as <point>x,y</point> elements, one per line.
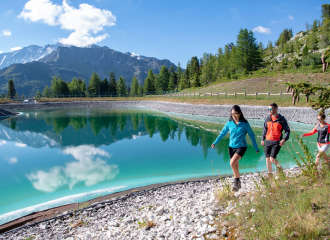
<point>312,60</point>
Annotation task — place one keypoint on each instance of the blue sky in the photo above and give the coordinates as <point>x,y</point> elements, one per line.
<point>174,30</point>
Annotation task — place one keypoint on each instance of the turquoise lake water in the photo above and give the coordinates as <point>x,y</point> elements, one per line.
<point>55,157</point>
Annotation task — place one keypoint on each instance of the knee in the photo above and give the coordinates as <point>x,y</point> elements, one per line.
<point>273,160</point>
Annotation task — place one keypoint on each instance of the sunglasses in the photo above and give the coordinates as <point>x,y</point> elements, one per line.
<point>235,114</point>
<point>270,109</point>
<point>320,120</point>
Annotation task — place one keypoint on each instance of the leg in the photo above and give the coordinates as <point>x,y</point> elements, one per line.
<point>269,165</point>
<point>276,163</point>
<point>234,164</point>
<point>318,157</point>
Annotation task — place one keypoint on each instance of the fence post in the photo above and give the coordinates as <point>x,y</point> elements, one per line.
<point>217,95</point>
<point>235,94</point>
<point>267,94</point>
<point>244,94</point>
<point>256,95</point>
<point>225,95</point>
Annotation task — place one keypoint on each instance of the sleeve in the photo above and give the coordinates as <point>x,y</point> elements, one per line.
<point>264,131</point>
<point>252,137</point>
<point>286,129</point>
<point>311,132</point>
<point>223,133</point>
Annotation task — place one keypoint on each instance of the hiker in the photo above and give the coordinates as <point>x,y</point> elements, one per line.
<point>273,127</point>
<point>323,144</point>
<point>238,127</point>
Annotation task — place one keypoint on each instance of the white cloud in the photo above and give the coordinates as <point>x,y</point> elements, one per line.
<point>85,22</point>
<point>0,52</point>
<point>12,160</point>
<point>86,169</point>
<point>290,17</point>
<point>2,142</point>
<point>20,145</point>
<point>273,22</point>
<point>261,29</point>
<point>6,32</point>
<point>15,48</point>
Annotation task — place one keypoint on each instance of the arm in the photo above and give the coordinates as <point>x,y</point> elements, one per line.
<point>264,131</point>
<point>311,132</point>
<point>252,137</point>
<point>286,129</point>
<point>223,133</point>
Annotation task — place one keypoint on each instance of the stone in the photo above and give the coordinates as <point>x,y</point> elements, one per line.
<point>159,211</point>
<point>113,224</point>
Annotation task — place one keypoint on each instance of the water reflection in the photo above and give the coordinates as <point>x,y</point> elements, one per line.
<point>89,169</point>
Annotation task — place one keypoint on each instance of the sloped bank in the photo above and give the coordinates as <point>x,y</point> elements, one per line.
<point>5,113</point>
<point>294,114</point>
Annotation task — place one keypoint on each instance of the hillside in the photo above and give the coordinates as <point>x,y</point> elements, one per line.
<point>70,62</point>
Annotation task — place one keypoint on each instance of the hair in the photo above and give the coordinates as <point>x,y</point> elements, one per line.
<point>237,109</point>
<point>274,105</point>
<point>322,115</point>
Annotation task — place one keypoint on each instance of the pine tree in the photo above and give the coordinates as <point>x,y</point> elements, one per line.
<point>121,86</point>
<point>112,83</point>
<point>307,26</point>
<point>173,82</point>
<point>179,73</point>
<point>196,82</point>
<point>140,90</point>
<point>74,87</point>
<point>55,86</point>
<point>314,27</point>
<point>46,92</point>
<point>23,96</point>
<point>104,86</point>
<point>64,89</point>
<point>325,11</point>
<point>134,86</point>
<point>38,94</point>
<point>163,79</point>
<point>11,88</point>
<point>94,84</point>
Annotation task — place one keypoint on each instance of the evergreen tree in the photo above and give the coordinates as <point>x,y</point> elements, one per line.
<point>173,83</point>
<point>74,87</point>
<point>94,84</point>
<point>196,82</point>
<point>314,27</point>
<point>112,83</point>
<point>46,92</point>
<point>55,86</point>
<point>307,26</point>
<point>134,86</point>
<point>121,86</point>
<point>11,88</point>
<point>187,78</point>
<point>23,96</point>
<point>261,47</point>
<point>325,10</point>
<point>179,73</point>
<point>149,83</point>
<point>163,79</point>
<point>140,90</point>
<point>38,94</point>
<point>64,89</point>
<point>305,51</point>
<point>104,85</point>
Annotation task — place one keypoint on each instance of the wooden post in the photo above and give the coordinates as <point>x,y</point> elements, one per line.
<point>256,95</point>
<point>244,94</point>
<point>225,95</point>
<point>217,95</point>
<point>235,94</point>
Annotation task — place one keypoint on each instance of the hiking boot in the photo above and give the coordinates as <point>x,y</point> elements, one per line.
<point>236,185</point>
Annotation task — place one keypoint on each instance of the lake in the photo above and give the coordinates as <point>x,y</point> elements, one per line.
<point>55,157</point>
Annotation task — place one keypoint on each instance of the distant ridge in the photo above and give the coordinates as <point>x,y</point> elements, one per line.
<point>70,62</point>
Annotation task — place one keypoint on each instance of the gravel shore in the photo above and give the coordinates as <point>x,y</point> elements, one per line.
<point>295,114</point>
<point>188,210</point>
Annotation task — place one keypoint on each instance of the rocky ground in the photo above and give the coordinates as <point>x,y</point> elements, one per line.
<point>187,210</point>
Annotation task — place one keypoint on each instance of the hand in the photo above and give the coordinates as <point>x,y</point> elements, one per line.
<point>302,135</point>
<point>257,151</point>
<point>212,145</point>
<point>282,142</point>
<point>263,143</point>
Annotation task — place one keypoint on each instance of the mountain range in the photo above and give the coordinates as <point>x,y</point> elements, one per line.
<point>33,67</point>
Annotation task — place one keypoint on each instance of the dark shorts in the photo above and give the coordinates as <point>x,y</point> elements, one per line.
<point>240,151</point>
<point>272,148</point>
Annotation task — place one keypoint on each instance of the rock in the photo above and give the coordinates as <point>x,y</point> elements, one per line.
<point>113,224</point>
<point>159,211</point>
<point>224,232</point>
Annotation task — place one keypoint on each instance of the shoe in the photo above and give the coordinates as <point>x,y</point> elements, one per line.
<point>236,185</point>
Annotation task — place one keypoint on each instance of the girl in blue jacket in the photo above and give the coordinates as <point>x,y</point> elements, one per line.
<point>238,127</point>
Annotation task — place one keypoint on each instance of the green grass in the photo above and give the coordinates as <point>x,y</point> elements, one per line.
<point>285,206</point>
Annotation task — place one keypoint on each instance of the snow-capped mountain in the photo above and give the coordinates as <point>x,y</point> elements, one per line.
<point>26,54</point>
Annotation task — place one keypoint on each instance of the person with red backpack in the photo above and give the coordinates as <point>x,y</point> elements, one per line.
<point>272,136</point>
<point>323,131</point>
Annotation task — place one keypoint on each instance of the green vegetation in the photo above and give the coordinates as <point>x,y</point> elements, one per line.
<point>11,88</point>
<point>286,206</point>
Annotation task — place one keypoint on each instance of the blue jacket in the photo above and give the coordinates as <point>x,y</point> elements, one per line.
<point>237,135</point>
